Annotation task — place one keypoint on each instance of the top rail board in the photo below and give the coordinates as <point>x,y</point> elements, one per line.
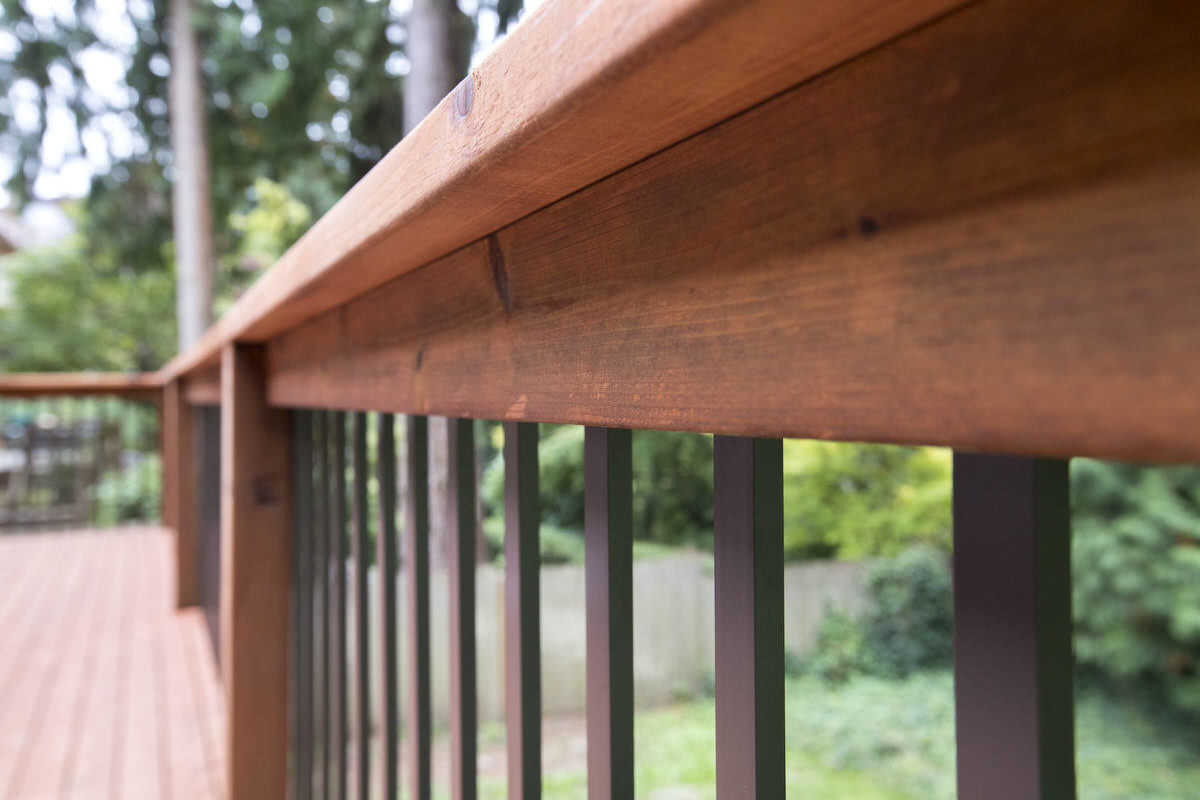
<point>46,384</point>
<point>578,91</point>
<point>966,224</point>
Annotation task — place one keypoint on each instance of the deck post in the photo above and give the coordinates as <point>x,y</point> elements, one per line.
<point>256,511</point>
<point>179,491</point>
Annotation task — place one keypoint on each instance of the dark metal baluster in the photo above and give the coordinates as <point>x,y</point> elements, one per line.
<point>44,443</point>
<point>302,609</point>
<point>1012,628</point>
<point>608,539</point>
<point>748,573</point>
<point>460,524</point>
<point>416,570</point>
<point>129,448</point>
<point>362,559</point>
<point>523,672</point>
<point>322,615</point>
<point>337,528</point>
<point>208,502</point>
<point>98,455</point>
<point>386,559</point>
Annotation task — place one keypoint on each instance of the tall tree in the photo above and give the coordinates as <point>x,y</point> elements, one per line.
<point>190,192</point>
<point>438,49</point>
<point>306,94</point>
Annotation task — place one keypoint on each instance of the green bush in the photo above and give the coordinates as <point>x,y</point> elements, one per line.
<point>673,488</point>
<point>847,500</point>
<point>557,546</point>
<point>672,484</point>
<point>860,500</point>
<point>560,494</point>
<point>909,625</point>
<point>130,495</point>
<point>1136,575</point>
<point>841,650</point>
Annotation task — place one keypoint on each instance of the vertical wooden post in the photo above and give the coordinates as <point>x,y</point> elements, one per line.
<point>179,492</point>
<point>1013,668</point>
<point>748,577</point>
<point>256,530</point>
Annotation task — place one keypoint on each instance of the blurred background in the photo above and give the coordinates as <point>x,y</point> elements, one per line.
<point>157,157</point>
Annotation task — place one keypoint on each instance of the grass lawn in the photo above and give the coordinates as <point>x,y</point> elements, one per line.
<point>870,739</point>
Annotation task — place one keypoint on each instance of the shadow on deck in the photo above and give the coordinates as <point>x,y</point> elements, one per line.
<point>107,690</point>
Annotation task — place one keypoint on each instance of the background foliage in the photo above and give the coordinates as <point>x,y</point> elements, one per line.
<point>856,500</point>
<point>840,500</point>
<point>77,309</point>
<point>1136,575</point>
<point>908,626</point>
<point>302,98</point>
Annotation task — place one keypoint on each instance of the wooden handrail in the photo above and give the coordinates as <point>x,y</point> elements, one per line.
<point>577,92</point>
<point>810,267</point>
<point>49,384</point>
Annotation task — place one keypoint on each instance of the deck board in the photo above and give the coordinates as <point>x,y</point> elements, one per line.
<point>106,691</point>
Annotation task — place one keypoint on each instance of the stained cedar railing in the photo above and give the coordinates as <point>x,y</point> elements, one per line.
<point>968,224</point>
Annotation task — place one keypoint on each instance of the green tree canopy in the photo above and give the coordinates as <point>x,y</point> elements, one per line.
<point>855,500</point>
<point>304,94</point>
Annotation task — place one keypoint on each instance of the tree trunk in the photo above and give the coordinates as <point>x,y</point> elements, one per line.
<point>438,50</point>
<point>191,209</point>
<point>438,54</point>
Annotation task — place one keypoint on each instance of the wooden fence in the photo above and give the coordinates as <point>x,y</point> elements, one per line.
<point>970,224</point>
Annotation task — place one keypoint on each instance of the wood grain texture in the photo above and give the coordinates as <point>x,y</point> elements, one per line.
<point>578,91</point>
<point>256,531</point>
<point>179,492</point>
<point>44,384</point>
<point>984,235</point>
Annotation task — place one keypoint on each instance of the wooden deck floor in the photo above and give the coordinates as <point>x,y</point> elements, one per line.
<point>105,690</point>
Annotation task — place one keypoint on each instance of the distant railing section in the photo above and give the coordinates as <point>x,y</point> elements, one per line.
<point>78,461</point>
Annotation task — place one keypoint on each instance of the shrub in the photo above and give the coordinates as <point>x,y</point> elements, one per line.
<point>858,500</point>
<point>672,481</point>
<point>909,625</point>
<point>130,495</point>
<point>1136,575</point>
<point>841,649</point>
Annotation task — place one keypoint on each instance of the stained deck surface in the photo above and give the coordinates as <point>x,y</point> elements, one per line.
<point>105,690</point>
